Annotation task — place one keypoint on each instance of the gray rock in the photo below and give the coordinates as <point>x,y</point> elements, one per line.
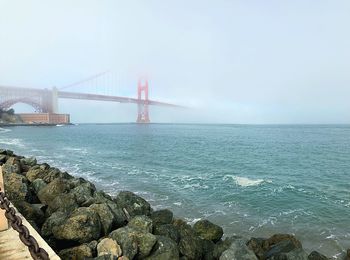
<point>35,172</point>
<point>223,245</point>
<point>110,247</point>
<point>164,249</point>
<point>84,192</point>
<point>119,216</point>
<point>16,187</point>
<point>259,246</point>
<point>190,244</point>
<point>134,242</point>
<point>108,257</point>
<point>296,254</point>
<point>135,205</point>
<point>54,220</point>
<point>161,217</point>
<point>52,190</point>
<point>273,246</point>
<point>31,212</point>
<point>76,253</point>
<point>126,238</point>
<point>63,202</point>
<point>282,247</point>
<point>12,165</point>
<point>238,251</point>
<point>167,230</point>
<point>141,223</point>
<point>106,216</point>
<point>281,237</point>
<point>3,158</point>
<point>37,185</point>
<point>54,173</point>
<point>98,198</point>
<point>30,161</point>
<point>208,247</point>
<point>207,230</point>
<point>314,255</point>
<point>82,226</point>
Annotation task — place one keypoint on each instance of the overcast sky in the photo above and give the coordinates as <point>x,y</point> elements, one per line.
<point>246,61</point>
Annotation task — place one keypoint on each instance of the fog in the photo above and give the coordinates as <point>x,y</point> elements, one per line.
<point>228,61</point>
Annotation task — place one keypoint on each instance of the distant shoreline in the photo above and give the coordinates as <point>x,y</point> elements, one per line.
<point>24,124</point>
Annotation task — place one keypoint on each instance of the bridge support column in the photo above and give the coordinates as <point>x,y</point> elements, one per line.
<point>143,115</point>
<point>54,101</point>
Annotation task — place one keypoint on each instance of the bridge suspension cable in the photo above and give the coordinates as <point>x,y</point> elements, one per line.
<point>80,82</point>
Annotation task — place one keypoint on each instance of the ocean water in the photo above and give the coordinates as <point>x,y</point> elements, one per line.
<point>251,180</point>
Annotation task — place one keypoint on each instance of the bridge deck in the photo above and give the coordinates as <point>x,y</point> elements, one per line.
<point>12,248</point>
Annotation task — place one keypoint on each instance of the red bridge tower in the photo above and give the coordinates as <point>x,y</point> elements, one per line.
<point>142,88</point>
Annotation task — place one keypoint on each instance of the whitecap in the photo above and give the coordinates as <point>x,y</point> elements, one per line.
<point>14,142</point>
<point>247,182</point>
<point>4,130</point>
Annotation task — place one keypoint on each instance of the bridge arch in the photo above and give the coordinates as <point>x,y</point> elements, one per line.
<point>5,105</point>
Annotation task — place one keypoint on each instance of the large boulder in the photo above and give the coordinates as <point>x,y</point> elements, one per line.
<point>134,242</point>
<point>296,254</point>
<point>273,246</point>
<point>84,192</point>
<point>30,161</point>
<point>120,219</point>
<point>63,202</point>
<point>207,230</point>
<point>54,173</point>
<point>52,190</point>
<point>134,205</point>
<point>141,223</point>
<point>37,185</point>
<point>98,197</point>
<point>76,253</point>
<point>314,255</point>
<point>31,212</point>
<point>12,165</point>
<point>164,249</point>
<point>3,159</point>
<point>82,226</point>
<point>36,172</point>
<point>281,248</point>
<point>223,245</point>
<point>167,230</point>
<point>348,254</point>
<point>54,220</point>
<point>238,251</point>
<point>281,237</point>
<point>190,245</point>
<point>16,187</point>
<point>108,246</point>
<point>106,216</point>
<point>161,217</point>
<point>259,246</point>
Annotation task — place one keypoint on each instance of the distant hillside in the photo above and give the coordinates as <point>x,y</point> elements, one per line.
<point>9,117</point>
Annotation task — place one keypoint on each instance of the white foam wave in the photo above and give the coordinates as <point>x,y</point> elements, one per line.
<point>247,182</point>
<point>4,130</point>
<point>14,142</point>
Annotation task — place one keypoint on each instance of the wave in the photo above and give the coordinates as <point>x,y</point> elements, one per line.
<point>4,130</point>
<point>13,142</point>
<point>247,182</point>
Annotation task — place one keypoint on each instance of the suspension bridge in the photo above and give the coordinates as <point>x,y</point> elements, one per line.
<point>46,100</point>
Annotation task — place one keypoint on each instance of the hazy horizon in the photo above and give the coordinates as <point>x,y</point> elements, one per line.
<point>230,62</point>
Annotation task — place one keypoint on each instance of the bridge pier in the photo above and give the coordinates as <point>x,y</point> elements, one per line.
<point>143,112</point>
<point>54,101</point>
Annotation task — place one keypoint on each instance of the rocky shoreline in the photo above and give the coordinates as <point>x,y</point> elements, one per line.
<point>80,222</point>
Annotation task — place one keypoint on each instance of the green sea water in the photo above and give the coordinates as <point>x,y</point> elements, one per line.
<point>254,180</point>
